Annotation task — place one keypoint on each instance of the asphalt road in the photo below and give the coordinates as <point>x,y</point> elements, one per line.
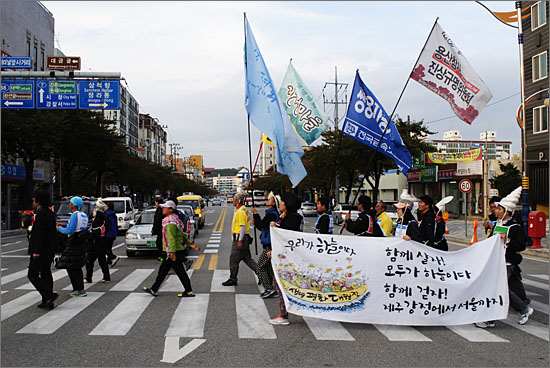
<point>119,325</point>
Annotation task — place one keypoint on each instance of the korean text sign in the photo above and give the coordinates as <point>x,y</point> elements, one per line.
<point>389,280</point>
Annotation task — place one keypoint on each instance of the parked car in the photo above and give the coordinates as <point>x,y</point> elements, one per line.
<point>63,211</point>
<point>138,237</point>
<point>197,202</point>
<point>341,210</point>
<point>309,209</point>
<point>192,226</point>
<point>124,210</point>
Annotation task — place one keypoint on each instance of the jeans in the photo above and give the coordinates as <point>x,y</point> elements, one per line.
<point>40,275</point>
<point>178,267</point>
<point>238,255</point>
<point>518,298</point>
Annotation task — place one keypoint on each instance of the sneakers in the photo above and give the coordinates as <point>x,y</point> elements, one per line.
<point>188,264</point>
<point>160,259</point>
<point>186,294</point>
<point>523,318</point>
<point>229,283</point>
<point>78,293</point>
<point>87,281</point>
<point>268,293</point>
<point>104,281</point>
<point>485,324</point>
<point>149,291</point>
<point>279,321</point>
<point>115,260</point>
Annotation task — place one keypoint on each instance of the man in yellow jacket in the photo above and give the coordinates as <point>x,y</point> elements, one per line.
<point>383,219</point>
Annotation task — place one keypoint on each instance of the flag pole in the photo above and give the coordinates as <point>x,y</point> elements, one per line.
<point>391,117</point>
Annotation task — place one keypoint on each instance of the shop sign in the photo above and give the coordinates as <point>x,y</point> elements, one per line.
<point>445,174</point>
<point>17,172</point>
<point>428,174</point>
<point>413,175</point>
<point>469,168</point>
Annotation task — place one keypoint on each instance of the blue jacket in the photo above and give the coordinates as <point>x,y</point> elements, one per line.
<point>265,236</point>
<point>111,224</point>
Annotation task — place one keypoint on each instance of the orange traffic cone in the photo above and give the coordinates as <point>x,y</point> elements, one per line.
<point>474,238</point>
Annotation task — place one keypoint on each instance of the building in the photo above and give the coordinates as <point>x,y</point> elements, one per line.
<point>152,140</point>
<point>126,120</point>
<point>390,187</point>
<point>535,59</point>
<point>452,142</point>
<point>268,158</point>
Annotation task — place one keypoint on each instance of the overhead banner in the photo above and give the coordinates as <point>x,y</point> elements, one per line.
<point>389,280</point>
<point>445,71</point>
<point>448,158</point>
<point>308,120</point>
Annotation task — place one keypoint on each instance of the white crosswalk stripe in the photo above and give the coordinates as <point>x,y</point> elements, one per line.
<point>98,275</point>
<point>210,245</point>
<point>541,307</point>
<point>536,284</point>
<point>531,327</point>
<point>542,277</point>
<point>133,280</point>
<point>4,291</point>
<point>214,240</point>
<point>219,277</point>
<point>190,317</point>
<point>173,284</point>
<point>401,333</point>
<point>13,276</point>
<point>55,319</point>
<point>253,318</point>
<point>124,316</point>
<point>57,275</point>
<point>324,329</point>
<point>4,269</point>
<point>212,251</point>
<point>18,304</point>
<point>475,334</point>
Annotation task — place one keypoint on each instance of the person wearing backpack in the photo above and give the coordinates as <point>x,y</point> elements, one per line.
<point>97,245</point>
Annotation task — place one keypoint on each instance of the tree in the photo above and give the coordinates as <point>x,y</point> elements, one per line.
<point>509,180</point>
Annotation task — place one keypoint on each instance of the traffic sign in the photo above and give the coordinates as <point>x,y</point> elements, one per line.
<point>63,63</point>
<point>56,94</point>
<point>493,192</point>
<point>99,94</point>
<point>465,186</point>
<point>16,62</point>
<point>17,94</point>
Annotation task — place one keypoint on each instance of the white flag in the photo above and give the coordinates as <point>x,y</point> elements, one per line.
<point>444,70</point>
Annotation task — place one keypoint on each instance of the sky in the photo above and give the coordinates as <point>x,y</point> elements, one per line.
<point>183,61</point>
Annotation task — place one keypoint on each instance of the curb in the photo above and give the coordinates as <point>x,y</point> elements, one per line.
<point>538,253</point>
<point>7,233</point>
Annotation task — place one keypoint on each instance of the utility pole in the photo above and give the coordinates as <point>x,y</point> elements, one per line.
<point>336,101</point>
<point>174,148</point>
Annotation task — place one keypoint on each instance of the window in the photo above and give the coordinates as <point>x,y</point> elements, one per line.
<point>540,66</point>
<point>538,15</point>
<point>540,119</point>
<point>28,47</point>
<point>42,63</point>
<point>35,58</point>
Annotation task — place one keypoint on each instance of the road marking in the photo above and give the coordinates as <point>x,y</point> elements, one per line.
<point>133,280</point>
<point>54,319</point>
<point>324,329</point>
<point>212,245</point>
<point>57,275</point>
<point>3,269</point>
<point>199,262</point>
<point>12,256</point>
<point>475,334</point>
<point>17,250</point>
<point>173,283</point>
<point>401,333</point>
<point>536,284</point>
<point>253,318</point>
<point>17,242</point>
<point>210,251</point>
<point>531,327</point>
<point>220,228</point>
<point>17,305</point>
<point>216,232</point>
<point>219,221</point>
<point>217,279</point>
<point>214,241</point>
<point>190,317</point>
<point>118,245</point>
<point>192,257</point>
<point>542,277</point>
<point>124,316</point>
<point>98,275</point>
<point>213,262</point>
<point>4,291</point>
<point>173,353</point>
<point>13,276</point>
<point>541,307</point>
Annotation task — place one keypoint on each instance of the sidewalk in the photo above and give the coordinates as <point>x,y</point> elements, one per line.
<point>456,234</point>
<point>7,233</point>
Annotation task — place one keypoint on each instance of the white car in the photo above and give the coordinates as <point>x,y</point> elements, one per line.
<point>139,237</point>
<point>124,209</point>
<point>341,210</point>
<point>309,209</point>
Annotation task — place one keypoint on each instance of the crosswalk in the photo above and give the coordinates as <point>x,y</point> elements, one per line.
<point>189,316</point>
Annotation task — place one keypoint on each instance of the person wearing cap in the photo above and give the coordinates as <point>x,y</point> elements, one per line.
<point>97,249</point>
<point>240,249</point>
<point>383,219</point>
<point>73,257</point>
<point>365,224</point>
<point>263,267</point>
<point>325,222</point>
<point>404,217</point>
<point>173,238</point>
<point>440,227</point>
<point>157,227</point>
<point>423,230</point>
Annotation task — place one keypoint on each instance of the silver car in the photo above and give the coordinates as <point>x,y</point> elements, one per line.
<point>309,209</point>
<point>192,225</point>
<point>139,237</point>
<point>341,210</point>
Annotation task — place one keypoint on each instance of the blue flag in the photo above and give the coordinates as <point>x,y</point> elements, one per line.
<point>366,120</point>
<point>268,115</point>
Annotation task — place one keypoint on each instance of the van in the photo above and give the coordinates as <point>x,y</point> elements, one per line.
<point>197,202</point>
<point>259,198</point>
<point>124,209</point>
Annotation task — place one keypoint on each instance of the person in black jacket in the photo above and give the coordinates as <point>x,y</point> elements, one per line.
<point>42,247</point>
<point>423,231</point>
<point>491,221</point>
<point>366,224</point>
<point>97,249</point>
<point>157,228</point>
<point>324,223</point>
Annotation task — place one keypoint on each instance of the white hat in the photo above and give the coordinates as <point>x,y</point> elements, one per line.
<point>443,202</point>
<point>406,195</point>
<point>511,200</point>
<point>169,204</point>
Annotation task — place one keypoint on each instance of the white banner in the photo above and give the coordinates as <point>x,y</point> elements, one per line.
<point>389,280</point>
<point>444,70</point>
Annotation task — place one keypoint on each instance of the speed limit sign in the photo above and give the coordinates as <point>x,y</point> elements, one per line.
<point>465,186</point>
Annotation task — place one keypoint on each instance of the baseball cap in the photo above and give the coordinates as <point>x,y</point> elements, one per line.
<point>169,204</point>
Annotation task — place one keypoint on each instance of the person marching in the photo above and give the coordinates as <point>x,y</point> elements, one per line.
<point>325,222</point>
<point>263,268</point>
<point>157,228</point>
<point>439,228</point>
<point>404,217</point>
<point>73,257</point>
<point>240,249</point>
<point>290,219</point>
<point>173,240</point>
<point>111,230</point>
<point>383,219</point>
<point>491,221</point>
<point>97,249</point>
<point>366,224</point>
<point>423,231</point>
<point>42,246</point>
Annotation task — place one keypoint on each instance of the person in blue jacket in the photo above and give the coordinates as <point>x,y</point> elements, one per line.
<point>73,257</point>
<point>111,230</point>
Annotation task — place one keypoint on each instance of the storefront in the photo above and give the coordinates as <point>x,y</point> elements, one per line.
<point>472,171</point>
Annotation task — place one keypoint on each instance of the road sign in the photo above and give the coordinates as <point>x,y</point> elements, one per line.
<point>17,94</point>
<point>63,63</point>
<point>99,94</point>
<point>56,94</point>
<point>16,62</point>
<point>465,185</point>
<point>493,192</point>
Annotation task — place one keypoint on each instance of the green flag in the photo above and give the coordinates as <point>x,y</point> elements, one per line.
<point>310,122</point>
